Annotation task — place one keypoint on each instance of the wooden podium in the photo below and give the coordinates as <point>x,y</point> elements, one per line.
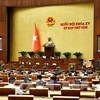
<point>49,52</point>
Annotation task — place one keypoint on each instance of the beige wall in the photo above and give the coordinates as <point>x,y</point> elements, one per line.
<point>80,40</point>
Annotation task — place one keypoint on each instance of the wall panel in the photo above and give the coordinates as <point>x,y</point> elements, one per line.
<point>2,13</point>
<point>97,26</point>
<point>41,2</point>
<point>2,2</point>
<point>2,28</point>
<point>97,29</point>
<point>97,8</point>
<point>4,48</point>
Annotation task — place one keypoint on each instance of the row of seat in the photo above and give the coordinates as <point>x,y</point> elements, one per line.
<point>31,97</point>
<point>5,91</point>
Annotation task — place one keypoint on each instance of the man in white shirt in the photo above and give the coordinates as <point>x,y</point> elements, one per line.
<point>17,88</point>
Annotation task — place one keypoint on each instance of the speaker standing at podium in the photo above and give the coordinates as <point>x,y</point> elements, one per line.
<point>49,48</point>
<point>49,43</point>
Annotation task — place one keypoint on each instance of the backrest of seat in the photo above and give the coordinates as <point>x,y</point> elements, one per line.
<point>20,97</point>
<point>26,86</point>
<point>19,77</point>
<point>64,83</point>
<point>2,84</point>
<point>71,79</point>
<point>34,77</point>
<point>97,93</point>
<point>6,91</point>
<point>4,78</point>
<point>38,91</point>
<point>70,92</point>
<point>65,98</point>
<point>53,86</point>
<point>82,87</point>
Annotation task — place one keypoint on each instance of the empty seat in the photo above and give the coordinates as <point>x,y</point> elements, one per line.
<point>65,98</point>
<point>20,97</point>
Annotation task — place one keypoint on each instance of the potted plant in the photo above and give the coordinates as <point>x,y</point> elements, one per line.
<point>23,53</point>
<point>31,53</point>
<point>58,68</point>
<point>83,68</point>
<point>3,65</point>
<point>44,67</point>
<point>97,69</point>
<point>1,62</point>
<point>57,54</point>
<point>12,66</point>
<point>78,54</point>
<point>22,66</point>
<point>67,54</point>
<point>34,66</point>
<point>40,53</point>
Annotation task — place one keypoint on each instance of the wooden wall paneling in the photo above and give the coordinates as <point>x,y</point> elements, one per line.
<point>2,28</point>
<point>9,2</point>
<point>4,48</point>
<point>97,25</point>
<point>3,34</point>
<point>96,44</point>
<point>1,55</point>
<point>2,13</point>
<point>97,8</point>
<point>2,2</point>
<point>42,2</point>
<point>96,33</point>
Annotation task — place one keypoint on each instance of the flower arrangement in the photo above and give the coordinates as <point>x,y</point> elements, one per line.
<point>67,54</point>
<point>23,53</point>
<point>31,53</point>
<point>40,53</point>
<point>78,54</point>
<point>57,53</point>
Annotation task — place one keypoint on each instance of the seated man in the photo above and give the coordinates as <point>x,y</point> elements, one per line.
<point>40,82</point>
<point>53,80</point>
<point>77,81</point>
<point>12,80</point>
<point>26,79</point>
<point>17,88</point>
